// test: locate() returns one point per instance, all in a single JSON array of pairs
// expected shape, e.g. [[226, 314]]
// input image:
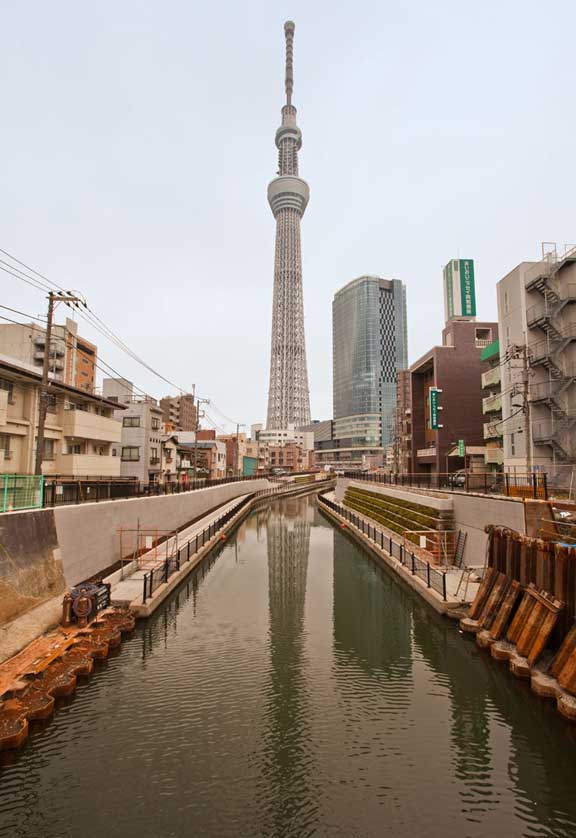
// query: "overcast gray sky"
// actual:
[[138, 141]]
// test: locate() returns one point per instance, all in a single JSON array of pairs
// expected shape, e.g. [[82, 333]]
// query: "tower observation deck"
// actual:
[[288, 397]]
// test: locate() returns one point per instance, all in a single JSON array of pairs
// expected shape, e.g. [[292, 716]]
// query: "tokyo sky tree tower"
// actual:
[[288, 399]]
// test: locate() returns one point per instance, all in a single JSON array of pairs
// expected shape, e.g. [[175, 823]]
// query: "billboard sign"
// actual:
[[461, 448]]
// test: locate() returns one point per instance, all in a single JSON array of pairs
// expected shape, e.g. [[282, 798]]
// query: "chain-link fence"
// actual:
[[21, 491]]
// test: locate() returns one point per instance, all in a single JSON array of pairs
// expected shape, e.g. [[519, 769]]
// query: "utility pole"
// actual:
[[53, 298], [238, 426], [196, 428]]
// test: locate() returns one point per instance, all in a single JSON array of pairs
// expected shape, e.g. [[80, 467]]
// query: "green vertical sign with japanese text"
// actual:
[[433, 408], [467, 289], [449, 290]]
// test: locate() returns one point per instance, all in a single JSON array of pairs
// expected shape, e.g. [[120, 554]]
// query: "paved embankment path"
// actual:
[[130, 588]]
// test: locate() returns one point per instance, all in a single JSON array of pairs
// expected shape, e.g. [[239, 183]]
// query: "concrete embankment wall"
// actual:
[[31, 578], [42, 552], [471, 512], [88, 534], [31, 569]]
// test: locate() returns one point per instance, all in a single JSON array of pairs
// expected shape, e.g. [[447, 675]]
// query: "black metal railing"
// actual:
[[533, 485], [158, 575], [434, 578], [61, 491]]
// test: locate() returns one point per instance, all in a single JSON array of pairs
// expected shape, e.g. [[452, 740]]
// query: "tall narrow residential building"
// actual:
[[288, 397], [369, 337]]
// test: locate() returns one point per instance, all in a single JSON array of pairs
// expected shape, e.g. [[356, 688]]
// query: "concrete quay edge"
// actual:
[[418, 585]]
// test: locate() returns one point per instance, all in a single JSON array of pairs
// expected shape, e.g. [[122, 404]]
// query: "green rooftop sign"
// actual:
[[459, 289]]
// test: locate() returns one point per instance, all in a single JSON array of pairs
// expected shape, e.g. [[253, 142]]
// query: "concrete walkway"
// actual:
[[131, 587]]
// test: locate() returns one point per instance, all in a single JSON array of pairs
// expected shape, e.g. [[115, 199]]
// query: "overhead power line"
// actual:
[[41, 282]]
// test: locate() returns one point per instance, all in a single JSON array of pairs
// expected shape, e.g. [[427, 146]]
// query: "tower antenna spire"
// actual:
[[289, 28]]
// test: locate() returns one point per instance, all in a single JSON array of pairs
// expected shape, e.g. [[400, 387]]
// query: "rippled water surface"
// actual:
[[292, 688]]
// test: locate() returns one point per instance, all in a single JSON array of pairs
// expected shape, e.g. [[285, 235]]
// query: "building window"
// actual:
[[130, 453], [5, 446], [131, 422], [512, 445], [155, 423], [51, 403], [76, 447], [9, 387], [49, 449]]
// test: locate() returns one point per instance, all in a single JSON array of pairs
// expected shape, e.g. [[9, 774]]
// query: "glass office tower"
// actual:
[[369, 338]]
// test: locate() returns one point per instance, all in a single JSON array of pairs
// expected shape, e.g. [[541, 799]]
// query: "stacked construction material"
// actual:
[[548, 565]]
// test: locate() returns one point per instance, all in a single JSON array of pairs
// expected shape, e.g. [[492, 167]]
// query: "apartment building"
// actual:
[[205, 458], [81, 431], [446, 397], [290, 457], [537, 319], [235, 452], [179, 412], [401, 462], [72, 358], [492, 406], [140, 449], [285, 436]]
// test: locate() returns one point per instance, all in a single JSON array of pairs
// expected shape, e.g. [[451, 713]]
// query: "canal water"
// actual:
[[293, 688]]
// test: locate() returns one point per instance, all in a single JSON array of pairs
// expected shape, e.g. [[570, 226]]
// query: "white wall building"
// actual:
[[537, 327], [140, 450]]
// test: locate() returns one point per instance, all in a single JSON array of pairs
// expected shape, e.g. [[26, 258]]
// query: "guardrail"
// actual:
[[61, 492], [533, 485], [158, 575], [422, 569]]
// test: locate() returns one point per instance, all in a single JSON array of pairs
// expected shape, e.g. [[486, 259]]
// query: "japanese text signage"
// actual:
[[467, 290], [433, 393]]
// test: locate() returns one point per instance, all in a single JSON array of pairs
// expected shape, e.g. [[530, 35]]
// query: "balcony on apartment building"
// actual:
[[492, 404], [491, 377], [494, 456], [426, 452], [493, 430], [86, 425], [91, 465]]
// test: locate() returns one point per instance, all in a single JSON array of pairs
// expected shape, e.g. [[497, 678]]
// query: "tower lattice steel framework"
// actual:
[[288, 397]]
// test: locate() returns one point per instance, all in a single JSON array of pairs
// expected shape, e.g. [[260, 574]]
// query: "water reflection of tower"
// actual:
[[286, 754], [372, 618]]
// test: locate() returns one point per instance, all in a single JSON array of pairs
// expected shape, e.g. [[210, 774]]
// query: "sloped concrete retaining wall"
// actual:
[[471, 512], [88, 534]]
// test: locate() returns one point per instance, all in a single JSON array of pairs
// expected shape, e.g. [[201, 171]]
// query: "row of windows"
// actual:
[[134, 422], [131, 454]]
